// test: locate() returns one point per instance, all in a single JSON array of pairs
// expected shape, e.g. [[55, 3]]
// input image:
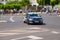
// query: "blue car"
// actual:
[[33, 18]]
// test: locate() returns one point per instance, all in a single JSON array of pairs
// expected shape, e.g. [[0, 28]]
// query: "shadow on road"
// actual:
[[37, 24]]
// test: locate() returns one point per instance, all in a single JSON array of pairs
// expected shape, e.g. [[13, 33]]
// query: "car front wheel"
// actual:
[[24, 22], [28, 22], [41, 22]]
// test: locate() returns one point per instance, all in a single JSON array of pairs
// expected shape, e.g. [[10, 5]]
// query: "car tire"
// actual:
[[24, 22], [41, 23], [28, 22]]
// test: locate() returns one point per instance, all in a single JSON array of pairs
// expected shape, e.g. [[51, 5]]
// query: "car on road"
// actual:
[[31, 18]]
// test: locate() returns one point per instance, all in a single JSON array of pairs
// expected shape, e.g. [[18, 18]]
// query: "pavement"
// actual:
[[15, 29]]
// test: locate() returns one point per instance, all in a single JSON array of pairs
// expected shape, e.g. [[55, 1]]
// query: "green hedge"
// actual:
[[10, 6]]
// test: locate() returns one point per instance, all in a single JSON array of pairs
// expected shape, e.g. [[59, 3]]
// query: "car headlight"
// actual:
[[30, 19]]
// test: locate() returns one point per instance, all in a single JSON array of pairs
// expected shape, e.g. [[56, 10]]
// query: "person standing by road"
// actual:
[[28, 10], [50, 12], [2, 11], [12, 11], [58, 12], [15, 10]]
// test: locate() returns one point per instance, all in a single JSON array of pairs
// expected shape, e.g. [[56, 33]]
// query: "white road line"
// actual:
[[19, 38], [31, 37], [8, 34], [34, 28], [3, 21], [34, 37], [55, 32], [11, 19]]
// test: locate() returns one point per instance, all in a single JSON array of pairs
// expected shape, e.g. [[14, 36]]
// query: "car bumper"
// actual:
[[35, 21]]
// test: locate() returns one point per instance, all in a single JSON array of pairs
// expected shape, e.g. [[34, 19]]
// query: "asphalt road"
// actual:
[[15, 29]]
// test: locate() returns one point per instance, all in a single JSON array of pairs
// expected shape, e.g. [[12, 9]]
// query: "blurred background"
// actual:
[[19, 6]]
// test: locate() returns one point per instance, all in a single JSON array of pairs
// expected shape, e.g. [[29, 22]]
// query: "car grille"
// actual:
[[36, 19]]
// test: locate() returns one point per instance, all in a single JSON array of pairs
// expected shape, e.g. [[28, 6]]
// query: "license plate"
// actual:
[[37, 21]]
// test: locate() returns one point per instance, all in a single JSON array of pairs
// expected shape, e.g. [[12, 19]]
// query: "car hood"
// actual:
[[34, 17]]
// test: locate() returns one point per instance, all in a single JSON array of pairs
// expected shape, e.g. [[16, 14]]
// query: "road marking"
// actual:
[[31, 37], [11, 19], [3, 21], [19, 38], [55, 32], [34, 37], [34, 28], [8, 34]]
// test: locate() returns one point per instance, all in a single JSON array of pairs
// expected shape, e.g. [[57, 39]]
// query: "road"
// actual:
[[15, 29]]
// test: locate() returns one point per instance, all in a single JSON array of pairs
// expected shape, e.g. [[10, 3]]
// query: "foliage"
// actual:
[[48, 2], [54, 2], [1, 6], [14, 4], [43, 2], [10, 6], [39, 2], [25, 2]]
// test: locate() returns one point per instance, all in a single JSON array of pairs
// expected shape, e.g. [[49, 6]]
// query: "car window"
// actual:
[[33, 15]]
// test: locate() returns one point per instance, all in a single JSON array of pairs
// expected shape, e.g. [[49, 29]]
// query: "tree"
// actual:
[[39, 2], [25, 2], [14, 4], [54, 2], [18, 3], [1, 6], [48, 2], [43, 2]]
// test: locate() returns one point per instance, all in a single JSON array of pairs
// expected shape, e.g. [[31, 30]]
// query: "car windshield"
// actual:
[[32, 15]]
